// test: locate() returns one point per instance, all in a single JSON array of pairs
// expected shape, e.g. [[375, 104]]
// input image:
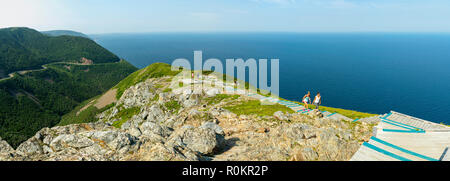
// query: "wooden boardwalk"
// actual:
[[399, 137]]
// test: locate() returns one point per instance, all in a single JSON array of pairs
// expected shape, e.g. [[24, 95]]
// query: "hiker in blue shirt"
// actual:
[[307, 100]]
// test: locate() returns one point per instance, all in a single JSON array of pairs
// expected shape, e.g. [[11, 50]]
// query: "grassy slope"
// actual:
[[219, 98], [153, 71], [255, 107], [85, 116], [88, 115]]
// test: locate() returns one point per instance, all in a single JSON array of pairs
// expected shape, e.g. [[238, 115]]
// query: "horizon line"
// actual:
[[238, 31], [287, 32]]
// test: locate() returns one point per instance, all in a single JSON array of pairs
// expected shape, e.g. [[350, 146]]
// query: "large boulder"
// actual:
[[115, 140], [198, 140], [139, 95], [69, 140], [149, 128], [5, 150], [30, 147], [5, 147]]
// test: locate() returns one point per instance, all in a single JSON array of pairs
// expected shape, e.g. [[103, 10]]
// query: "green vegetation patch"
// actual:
[[219, 98], [124, 115], [255, 107], [172, 105], [155, 98], [86, 116], [155, 70]]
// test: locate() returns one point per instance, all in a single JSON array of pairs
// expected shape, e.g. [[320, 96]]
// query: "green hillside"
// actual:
[[35, 99], [24, 49]]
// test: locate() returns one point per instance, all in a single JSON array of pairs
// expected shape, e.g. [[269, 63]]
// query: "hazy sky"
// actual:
[[109, 16]]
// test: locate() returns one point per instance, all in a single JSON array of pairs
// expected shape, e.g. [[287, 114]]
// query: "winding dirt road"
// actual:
[[23, 72], [44, 67]]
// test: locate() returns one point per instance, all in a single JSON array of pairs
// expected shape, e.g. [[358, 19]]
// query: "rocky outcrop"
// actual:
[[100, 142], [181, 125], [302, 139]]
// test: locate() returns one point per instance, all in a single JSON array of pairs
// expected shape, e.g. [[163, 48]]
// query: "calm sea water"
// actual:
[[374, 73]]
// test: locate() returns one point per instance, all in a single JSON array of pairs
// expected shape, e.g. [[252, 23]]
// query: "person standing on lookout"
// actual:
[[318, 100], [307, 100]]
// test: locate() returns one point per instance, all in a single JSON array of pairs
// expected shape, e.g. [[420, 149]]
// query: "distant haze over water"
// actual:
[[368, 72]]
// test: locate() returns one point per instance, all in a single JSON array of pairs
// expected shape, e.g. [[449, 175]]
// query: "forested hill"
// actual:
[[64, 32], [32, 100], [25, 49]]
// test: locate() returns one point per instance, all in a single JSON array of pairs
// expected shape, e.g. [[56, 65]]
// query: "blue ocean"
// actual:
[[368, 72]]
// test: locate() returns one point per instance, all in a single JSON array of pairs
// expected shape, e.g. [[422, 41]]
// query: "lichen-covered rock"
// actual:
[[5, 150], [213, 126], [197, 139], [5, 147], [149, 128], [138, 95], [160, 152], [69, 140], [30, 147]]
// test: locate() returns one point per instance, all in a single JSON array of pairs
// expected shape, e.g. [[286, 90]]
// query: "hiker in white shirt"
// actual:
[[318, 100]]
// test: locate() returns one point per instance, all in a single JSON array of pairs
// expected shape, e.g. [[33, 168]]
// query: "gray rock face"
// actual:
[[5, 147], [197, 139], [213, 126], [149, 128], [156, 142], [68, 140], [280, 116], [192, 100], [138, 95], [310, 154], [5, 150], [300, 132], [30, 147], [155, 114]]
